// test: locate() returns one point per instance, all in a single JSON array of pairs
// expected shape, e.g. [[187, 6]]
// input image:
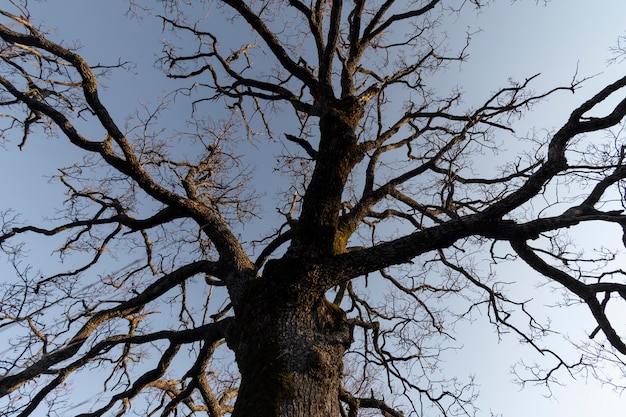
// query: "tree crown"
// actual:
[[375, 190]]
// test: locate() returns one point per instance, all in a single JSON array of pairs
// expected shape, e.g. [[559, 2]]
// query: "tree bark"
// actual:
[[289, 342], [318, 233]]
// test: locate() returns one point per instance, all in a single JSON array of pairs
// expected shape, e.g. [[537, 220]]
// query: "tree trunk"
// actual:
[[317, 228], [288, 339], [289, 344]]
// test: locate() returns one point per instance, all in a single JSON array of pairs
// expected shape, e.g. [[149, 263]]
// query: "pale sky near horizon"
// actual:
[[517, 40]]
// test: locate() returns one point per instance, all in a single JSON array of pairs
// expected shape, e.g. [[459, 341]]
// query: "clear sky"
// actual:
[[517, 40]]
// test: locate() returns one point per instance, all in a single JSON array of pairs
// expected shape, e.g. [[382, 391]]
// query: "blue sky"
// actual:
[[517, 40]]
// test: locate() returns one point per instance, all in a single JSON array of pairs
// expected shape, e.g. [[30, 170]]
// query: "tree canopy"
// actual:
[[192, 282]]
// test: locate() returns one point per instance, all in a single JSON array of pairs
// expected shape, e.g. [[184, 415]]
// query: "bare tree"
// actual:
[[377, 189]]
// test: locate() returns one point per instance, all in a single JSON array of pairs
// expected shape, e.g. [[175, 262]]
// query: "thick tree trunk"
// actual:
[[289, 345], [288, 339]]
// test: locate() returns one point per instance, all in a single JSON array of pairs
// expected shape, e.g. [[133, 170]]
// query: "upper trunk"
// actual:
[[289, 343], [316, 232]]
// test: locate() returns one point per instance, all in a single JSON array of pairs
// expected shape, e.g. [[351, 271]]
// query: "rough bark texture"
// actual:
[[289, 343]]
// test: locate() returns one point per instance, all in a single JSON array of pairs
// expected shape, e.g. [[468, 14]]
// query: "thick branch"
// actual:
[[557, 161]]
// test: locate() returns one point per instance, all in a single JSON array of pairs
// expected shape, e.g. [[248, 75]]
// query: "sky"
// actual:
[[516, 40]]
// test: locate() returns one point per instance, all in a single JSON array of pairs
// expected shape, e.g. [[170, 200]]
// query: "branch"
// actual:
[[557, 161], [355, 403], [10, 383], [211, 223], [374, 29], [306, 145], [273, 43], [585, 292], [401, 250]]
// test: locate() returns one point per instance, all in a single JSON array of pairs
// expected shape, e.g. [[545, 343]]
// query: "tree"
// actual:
[[373, 188]]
